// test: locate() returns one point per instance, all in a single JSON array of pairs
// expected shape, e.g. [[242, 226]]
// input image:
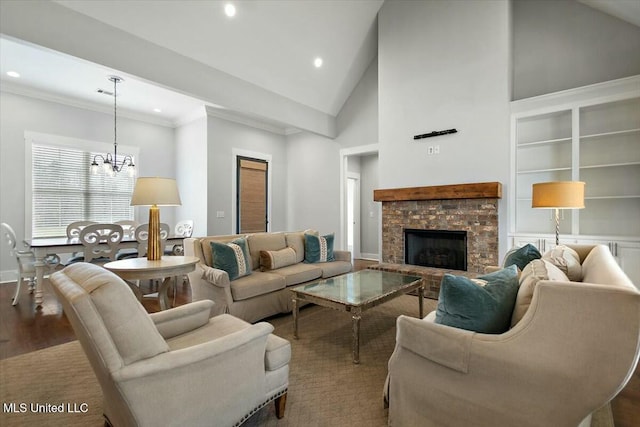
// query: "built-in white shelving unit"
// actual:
[[589, 134]]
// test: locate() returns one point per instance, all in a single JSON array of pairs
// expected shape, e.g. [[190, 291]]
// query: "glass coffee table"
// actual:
[[355, 293]]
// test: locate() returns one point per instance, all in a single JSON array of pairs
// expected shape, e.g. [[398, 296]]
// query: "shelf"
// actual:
[[568, 168], [610, 197], [620, 132], [610, 165], [548, 141]]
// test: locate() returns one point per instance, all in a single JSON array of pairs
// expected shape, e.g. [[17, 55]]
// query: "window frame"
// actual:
[[31, 138]]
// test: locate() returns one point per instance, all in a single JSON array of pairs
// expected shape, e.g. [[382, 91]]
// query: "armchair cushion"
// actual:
[[182, 319], [521, 256], [466, 305], [232, 257]]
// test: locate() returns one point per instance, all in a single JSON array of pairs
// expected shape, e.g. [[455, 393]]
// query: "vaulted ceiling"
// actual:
[[177, 56]]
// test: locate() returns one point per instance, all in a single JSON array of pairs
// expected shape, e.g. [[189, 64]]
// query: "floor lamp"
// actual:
[[558, 195], [154, 192]]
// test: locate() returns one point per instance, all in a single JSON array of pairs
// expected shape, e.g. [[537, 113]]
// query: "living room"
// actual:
[[437, 65]]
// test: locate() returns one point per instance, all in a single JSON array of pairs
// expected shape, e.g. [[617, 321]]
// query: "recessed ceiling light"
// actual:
[[13, 74], [317, 62], [230, 10], [157, 110]]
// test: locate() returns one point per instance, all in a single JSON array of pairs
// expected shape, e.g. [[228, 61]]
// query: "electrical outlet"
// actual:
[[436, 149], [430, 150]]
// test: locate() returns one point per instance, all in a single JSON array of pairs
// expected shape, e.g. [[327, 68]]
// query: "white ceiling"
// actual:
[[270, 44]]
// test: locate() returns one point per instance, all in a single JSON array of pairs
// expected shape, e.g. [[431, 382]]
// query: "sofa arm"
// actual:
[[211, 284], [342, 255], [185, 318]]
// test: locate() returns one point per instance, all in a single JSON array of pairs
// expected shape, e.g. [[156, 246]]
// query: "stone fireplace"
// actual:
[[472, 208]]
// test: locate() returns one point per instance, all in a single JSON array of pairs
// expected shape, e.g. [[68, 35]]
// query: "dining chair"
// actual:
[[129, 227], [73, 232], [142, 236], [101, 242], [184, 229], [26, 260]]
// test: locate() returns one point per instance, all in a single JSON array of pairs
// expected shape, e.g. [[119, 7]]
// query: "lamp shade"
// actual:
[[150, 191], [558, 195]]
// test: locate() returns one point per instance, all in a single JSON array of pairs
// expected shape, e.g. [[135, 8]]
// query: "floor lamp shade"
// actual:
[[154, 192], [558, 195]]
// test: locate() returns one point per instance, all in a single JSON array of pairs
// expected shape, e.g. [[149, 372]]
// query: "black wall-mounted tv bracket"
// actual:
[[435, 133]]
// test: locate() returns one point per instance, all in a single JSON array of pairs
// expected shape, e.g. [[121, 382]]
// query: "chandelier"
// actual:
[[110, 163]]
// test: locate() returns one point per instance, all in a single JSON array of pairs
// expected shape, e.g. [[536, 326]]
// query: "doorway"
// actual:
[[252, 195], [353, 213]]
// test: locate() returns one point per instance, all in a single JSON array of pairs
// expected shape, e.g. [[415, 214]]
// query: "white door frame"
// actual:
[[355, 250], [344, 154]]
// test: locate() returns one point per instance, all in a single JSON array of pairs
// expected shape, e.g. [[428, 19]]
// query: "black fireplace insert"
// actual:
[[436, 248]]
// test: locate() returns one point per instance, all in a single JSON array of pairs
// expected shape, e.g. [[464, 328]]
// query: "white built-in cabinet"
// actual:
[[589, 134]]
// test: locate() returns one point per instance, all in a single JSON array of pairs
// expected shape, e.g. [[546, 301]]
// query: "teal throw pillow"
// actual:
[[521, 256], [318, 248], [232, 257], [485, 307]]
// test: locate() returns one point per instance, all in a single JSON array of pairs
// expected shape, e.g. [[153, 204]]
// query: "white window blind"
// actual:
[[64, 191]]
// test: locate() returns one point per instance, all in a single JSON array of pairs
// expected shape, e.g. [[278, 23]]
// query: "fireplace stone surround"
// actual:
[[463, 207]]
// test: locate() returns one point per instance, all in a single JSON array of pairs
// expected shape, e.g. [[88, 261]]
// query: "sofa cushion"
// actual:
[[232, 257], [334, 268], [318, 248], [485, 309], [295, 240], [567, 260], [521, 256], [258, 283], [298, 273], [534, 272], [264, 242], [270, 260]]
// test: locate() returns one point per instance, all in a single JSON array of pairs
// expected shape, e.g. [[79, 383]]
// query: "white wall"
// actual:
[[191, 175], [313, 184], [563, 44], [223, 137], [444, 65], [20, 113]]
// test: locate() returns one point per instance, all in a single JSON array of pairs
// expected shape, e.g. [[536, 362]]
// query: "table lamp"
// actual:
[[558, 195], [154, 192]]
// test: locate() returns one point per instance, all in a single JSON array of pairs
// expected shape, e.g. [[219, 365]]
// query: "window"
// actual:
[[63, 190]]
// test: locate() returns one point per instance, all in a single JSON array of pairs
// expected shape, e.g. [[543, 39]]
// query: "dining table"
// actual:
[[43, 246]]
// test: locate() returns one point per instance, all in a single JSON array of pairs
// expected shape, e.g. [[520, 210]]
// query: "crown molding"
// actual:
[[236, 117], [18, 89]]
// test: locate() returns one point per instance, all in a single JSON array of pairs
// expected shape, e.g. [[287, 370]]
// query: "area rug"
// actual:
[[326, 388]]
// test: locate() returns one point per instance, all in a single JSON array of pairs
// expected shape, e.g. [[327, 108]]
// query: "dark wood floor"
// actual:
[[23, 329]]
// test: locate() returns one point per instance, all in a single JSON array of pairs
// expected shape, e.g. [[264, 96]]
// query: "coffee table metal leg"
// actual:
[[421, 300], [356, 337], [295, 317]]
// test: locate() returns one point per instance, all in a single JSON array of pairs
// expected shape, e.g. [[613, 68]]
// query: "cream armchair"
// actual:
[[177, 367], [575, 348]]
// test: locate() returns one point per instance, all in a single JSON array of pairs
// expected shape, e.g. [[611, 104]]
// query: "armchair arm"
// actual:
[[220, 379], [577, 344], [185, 318]]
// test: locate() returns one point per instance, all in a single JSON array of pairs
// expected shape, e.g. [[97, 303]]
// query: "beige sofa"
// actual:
[[573, 350], [262, 293]]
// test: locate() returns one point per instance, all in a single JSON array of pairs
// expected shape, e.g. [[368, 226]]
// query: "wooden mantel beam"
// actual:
[[481, 190]]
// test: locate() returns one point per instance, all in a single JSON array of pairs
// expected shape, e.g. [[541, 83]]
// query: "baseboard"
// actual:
[[370, 257], [8, 276]]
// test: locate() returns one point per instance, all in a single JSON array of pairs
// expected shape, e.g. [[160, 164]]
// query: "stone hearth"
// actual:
[[465, 207]]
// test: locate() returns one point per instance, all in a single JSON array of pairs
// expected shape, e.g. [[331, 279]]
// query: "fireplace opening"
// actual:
[[436, 248]]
